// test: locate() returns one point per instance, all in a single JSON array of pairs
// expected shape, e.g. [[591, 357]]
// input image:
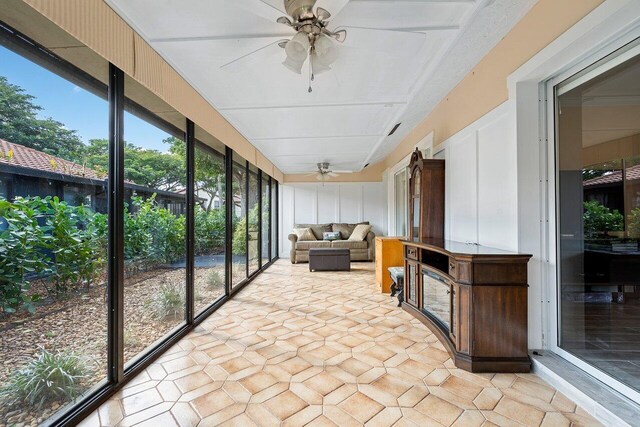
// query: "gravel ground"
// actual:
[[78, 324]]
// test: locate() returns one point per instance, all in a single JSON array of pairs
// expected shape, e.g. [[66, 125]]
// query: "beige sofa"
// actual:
[[360, 250]]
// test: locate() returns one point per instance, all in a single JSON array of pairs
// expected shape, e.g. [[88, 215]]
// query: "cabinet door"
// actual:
[[454, 313], [412, 283]]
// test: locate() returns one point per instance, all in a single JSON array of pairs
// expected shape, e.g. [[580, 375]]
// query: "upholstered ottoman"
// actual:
[[329, 259]]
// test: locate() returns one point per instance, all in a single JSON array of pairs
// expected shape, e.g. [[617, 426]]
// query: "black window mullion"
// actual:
[[270, 191], [115, 272], [190, 152], [277, 218], [246, 218], [228, 253], [259, 219]]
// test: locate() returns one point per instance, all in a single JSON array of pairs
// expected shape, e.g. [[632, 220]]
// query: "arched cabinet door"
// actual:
[[426, 198]]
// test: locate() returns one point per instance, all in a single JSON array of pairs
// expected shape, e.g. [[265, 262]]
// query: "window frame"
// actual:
[[116, 374]]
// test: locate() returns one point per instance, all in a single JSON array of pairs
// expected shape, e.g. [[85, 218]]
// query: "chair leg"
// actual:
[[394, 289], [401, 294]]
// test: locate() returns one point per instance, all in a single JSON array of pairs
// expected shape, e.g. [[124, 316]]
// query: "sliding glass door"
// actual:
[[598, 163]]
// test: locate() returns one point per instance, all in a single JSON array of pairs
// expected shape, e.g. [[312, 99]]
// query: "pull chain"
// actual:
[[310, 69]]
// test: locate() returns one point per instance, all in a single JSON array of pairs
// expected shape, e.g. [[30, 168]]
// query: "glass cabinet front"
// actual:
[[412, 283], [436, 297], [415, 205]]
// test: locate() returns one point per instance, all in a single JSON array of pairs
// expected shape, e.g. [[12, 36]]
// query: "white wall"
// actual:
[[315, 203], [481, 190]]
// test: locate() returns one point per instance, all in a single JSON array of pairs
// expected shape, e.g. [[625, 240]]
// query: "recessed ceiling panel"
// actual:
[[317, 146], [313, 122]]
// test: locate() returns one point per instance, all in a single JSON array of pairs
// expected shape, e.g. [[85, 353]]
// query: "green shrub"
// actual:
[[215, 279], [633, 223], [48, 376], [169, 301], [153, 235], [209, 230], [77, 246], [239, 234], [21, 245], [599, 219]]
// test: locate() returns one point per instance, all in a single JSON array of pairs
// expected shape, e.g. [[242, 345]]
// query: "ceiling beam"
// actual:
[[269, 138], [331, 105]]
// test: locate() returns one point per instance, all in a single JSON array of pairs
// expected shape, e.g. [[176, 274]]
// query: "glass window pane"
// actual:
[[266, 211], [155, 234], [598, 133], [254, 250], [53, 263], [209, 225], [239, 272]]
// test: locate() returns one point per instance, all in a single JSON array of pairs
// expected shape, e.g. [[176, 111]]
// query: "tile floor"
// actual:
[[320, 349]]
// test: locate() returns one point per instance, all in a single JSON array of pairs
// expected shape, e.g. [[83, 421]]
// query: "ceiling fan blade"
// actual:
[[262, 9], [266, 50], [386, 41], [332, 174], [319, 177], [333, 6]]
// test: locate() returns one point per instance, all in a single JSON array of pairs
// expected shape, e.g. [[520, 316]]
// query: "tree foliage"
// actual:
[[19, 123], [149, 168], [599, 219]]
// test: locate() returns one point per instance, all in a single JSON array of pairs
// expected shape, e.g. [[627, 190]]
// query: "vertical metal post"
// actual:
[[269, 225], [115, 268], [246, 213], [259, 219], [277, 219], [190, 223], [229, 206]]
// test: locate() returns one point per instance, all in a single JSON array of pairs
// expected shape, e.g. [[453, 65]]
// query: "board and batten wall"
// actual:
[[315, 203], [481, 191]]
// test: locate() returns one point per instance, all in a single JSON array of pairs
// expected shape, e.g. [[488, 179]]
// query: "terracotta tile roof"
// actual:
[[633, 173], [21, 156]]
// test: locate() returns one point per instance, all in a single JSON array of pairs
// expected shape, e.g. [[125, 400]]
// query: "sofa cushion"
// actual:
[[304, 234], [305, 246], [345, 229], [360, 232], [349, 244], [318, 229]]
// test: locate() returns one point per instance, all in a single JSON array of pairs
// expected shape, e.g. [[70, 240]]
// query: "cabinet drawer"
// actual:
[[460, 271], [411, 253]]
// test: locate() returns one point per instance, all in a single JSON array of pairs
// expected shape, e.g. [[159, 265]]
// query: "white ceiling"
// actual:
[[379, 79]]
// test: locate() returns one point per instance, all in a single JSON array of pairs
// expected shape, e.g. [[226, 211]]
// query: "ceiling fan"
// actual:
[[312, 38], [323, 172]]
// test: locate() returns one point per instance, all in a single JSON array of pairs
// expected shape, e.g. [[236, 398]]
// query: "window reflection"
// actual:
[[599, 221]]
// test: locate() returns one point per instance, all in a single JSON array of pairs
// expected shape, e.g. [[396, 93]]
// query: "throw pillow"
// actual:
[[331, 235], [345, 230], [304, 234], [316, 229], [360, 232]]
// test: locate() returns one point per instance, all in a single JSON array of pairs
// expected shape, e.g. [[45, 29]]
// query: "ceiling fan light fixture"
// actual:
[[322, 14], [284, 20], [293, 65], [325, 51], [297, 48], [340, 35], [318, 67]]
